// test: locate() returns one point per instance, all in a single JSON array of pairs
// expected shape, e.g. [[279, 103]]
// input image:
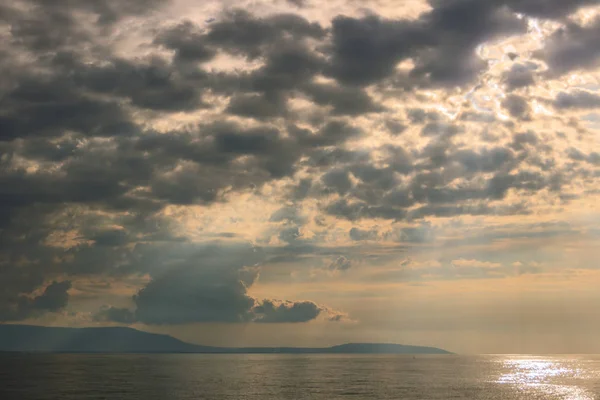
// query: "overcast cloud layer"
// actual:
[[345, 172]]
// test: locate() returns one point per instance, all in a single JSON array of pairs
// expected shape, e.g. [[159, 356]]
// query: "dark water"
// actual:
[[297, 377]]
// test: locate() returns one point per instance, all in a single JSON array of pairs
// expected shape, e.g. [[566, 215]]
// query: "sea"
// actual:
[[273, 376]]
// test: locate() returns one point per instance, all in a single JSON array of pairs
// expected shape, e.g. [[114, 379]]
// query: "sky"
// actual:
[[304, 173]]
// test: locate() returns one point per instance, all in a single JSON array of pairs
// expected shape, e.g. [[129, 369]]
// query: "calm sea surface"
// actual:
[[31, 376]]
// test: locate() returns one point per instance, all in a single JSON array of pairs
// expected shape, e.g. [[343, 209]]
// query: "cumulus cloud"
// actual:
[[210, 287]]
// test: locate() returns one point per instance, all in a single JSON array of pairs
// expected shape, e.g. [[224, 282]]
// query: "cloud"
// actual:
[[194, 294], [256, 106], [340, 264], [363, 234], [517, 106], [54, 298], [188, 41], [520, 75], [209, 286], [242, 33], [343, 100], [572, 48], [286, 312], [577, 99], [417, 234], [548, 8]]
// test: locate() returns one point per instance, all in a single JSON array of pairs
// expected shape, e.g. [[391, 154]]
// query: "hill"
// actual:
[[28, 338]]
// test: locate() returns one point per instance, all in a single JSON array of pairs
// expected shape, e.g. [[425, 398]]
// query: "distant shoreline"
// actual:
[[120, 340]]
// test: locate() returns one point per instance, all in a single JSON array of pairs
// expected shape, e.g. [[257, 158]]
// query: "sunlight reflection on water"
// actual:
[[545, 377]]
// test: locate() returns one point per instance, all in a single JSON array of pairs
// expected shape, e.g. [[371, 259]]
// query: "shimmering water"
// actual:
[[251, 377]]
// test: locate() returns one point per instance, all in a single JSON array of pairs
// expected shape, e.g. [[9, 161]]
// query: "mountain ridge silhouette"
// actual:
[[32, 338]]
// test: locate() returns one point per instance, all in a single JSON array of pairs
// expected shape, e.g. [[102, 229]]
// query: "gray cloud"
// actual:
[[520, 75], [344, 100], [52, 299], [340, 264], [286, 312], [571, 48], [362, 234], [548, 8], [240, 32], [191, 293], [257, 106], [337, 181], [188, 41], [577, 99], [517, 106], [209, 285]]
